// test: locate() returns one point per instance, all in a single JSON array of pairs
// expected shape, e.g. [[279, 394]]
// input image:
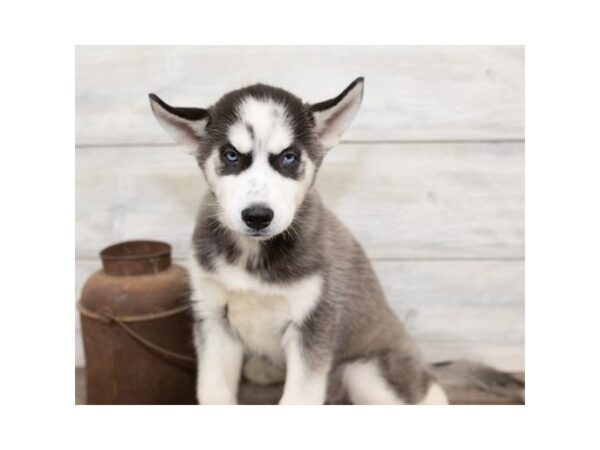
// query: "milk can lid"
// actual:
[[136, 258]]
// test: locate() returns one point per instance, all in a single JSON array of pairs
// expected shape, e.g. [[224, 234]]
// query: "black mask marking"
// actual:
[[224, 114], [288, 169], [228, 167]]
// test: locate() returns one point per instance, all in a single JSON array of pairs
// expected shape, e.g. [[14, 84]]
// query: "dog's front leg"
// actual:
[[306, 371], [220, 355]]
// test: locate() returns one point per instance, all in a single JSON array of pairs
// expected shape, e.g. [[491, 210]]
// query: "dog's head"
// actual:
[[260, 148]]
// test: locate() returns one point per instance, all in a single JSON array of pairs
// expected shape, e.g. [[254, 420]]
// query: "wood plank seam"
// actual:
[[352, 141]]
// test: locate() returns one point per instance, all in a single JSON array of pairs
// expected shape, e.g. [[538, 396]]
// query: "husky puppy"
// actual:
[[273, 272]]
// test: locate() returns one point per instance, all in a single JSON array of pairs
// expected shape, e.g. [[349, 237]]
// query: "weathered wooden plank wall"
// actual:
[[430, 177]]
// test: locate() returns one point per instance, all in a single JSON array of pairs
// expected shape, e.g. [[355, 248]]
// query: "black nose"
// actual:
[[257, 217]]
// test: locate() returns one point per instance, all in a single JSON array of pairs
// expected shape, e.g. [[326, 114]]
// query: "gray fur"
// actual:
[[352, 320]]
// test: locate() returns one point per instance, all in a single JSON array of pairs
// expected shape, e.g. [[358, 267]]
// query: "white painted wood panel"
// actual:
[[462, 200], [455, 309], [443, 222], [412, 93]]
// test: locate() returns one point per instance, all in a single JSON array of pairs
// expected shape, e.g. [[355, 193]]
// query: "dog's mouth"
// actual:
[[259, 235]]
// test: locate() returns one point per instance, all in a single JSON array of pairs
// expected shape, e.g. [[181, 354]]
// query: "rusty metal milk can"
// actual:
[[137, 328]]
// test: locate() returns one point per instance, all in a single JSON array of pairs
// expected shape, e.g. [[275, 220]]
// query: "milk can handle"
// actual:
[[185, 361]]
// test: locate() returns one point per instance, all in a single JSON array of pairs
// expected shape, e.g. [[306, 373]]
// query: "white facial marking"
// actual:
[[264, 129], [240, 138], [269, 122]]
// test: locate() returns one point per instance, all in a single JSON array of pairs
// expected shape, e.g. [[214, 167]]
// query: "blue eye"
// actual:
[[231, 156], [288, 159]]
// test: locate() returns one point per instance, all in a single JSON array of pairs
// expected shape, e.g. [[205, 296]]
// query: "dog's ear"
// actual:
[[185, 125], [332, 117]]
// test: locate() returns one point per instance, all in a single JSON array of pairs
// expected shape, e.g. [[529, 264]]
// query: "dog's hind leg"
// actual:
[[367, 384]]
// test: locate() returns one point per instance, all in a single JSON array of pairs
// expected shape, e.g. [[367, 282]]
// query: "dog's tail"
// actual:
[[461, 374]]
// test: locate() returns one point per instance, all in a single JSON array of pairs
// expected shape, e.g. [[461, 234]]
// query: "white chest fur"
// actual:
[[257, 311], [260, 321]]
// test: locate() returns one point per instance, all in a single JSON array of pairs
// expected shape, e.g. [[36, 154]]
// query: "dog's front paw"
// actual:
[[216, 400], [301, 400], [215, 396]]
